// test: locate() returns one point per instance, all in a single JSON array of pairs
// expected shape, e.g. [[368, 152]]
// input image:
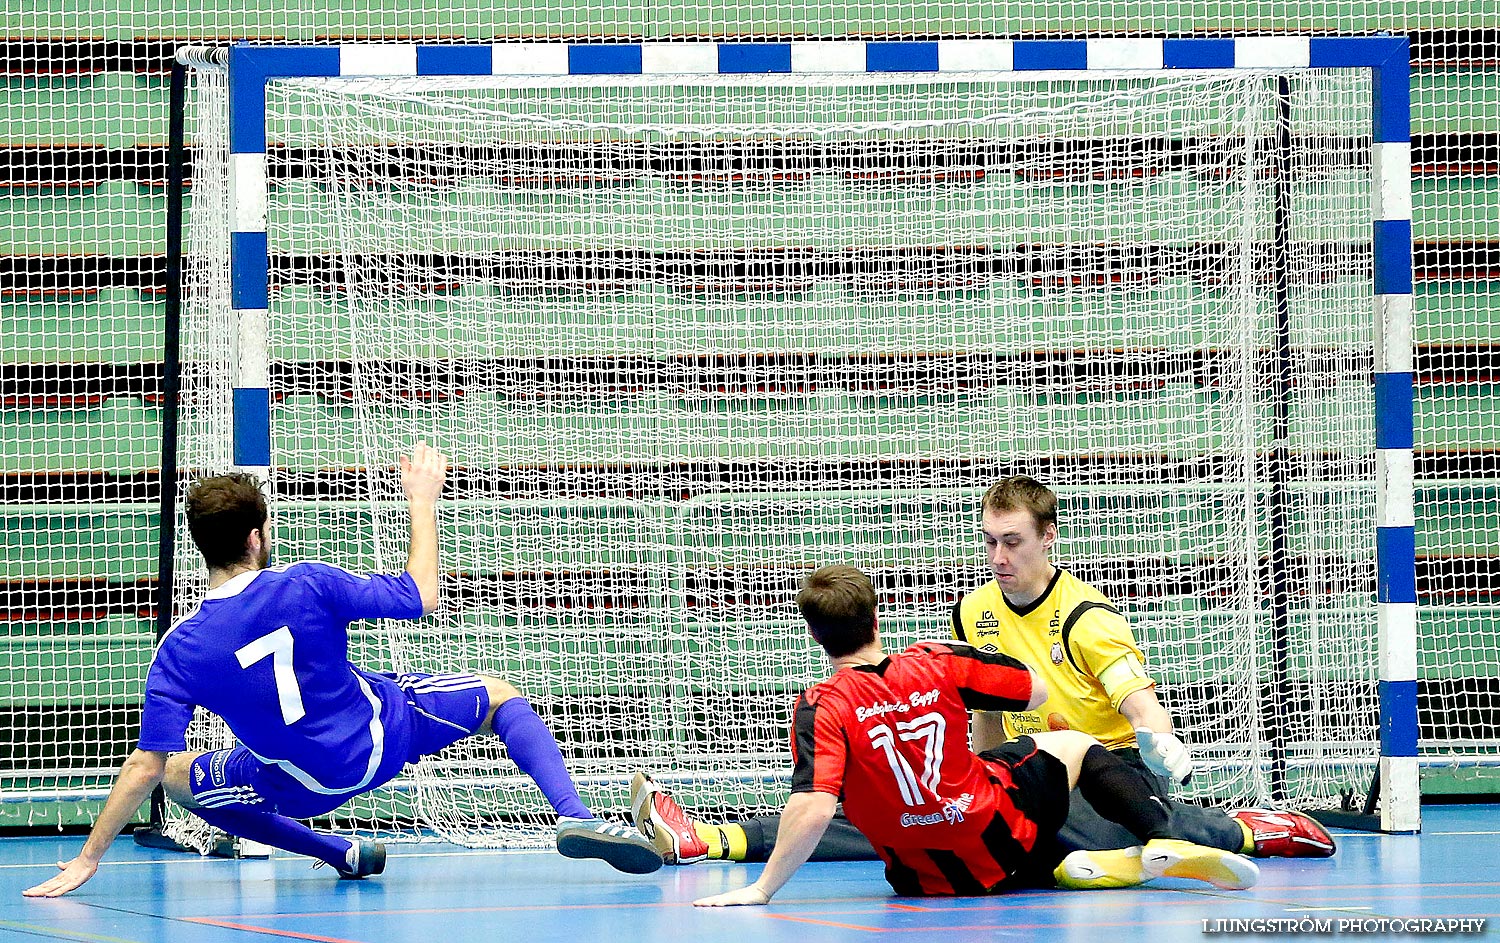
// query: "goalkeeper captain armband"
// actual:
[[1123, 677]]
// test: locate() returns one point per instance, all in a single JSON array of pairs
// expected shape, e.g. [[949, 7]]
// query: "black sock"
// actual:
[[756, 846], [1121, 793]]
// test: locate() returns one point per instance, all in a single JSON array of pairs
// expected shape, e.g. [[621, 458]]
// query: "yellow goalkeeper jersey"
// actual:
[[1071, 635]]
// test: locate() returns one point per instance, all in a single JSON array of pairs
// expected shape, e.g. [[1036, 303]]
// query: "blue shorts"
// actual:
[[422, 714]]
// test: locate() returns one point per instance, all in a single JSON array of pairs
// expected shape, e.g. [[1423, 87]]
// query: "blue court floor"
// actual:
[[439, 894]]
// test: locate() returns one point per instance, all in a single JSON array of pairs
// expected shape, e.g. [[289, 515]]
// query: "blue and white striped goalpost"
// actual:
[[250, 67]]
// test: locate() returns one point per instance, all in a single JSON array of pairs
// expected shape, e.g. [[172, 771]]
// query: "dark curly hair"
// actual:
[[221, 513]]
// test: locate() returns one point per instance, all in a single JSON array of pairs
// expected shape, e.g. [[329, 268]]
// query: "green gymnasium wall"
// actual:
[[82, 211]]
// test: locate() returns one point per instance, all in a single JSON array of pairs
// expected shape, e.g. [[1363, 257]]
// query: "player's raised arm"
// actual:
[[422, 476]]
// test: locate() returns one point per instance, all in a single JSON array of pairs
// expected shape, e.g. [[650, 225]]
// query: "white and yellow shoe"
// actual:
[[1171, 858], [1095, 870]]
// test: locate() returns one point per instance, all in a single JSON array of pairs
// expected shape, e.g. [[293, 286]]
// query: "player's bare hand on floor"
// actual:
[[74, 874], [750, 895]]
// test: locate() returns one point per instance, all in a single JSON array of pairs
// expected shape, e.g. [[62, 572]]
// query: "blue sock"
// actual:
[[278, 831], [533, 748]]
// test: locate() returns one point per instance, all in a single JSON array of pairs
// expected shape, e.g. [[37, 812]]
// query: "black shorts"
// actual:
[[1039, 791]]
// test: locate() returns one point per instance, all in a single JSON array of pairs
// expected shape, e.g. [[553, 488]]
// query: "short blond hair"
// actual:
[[1022, 493]]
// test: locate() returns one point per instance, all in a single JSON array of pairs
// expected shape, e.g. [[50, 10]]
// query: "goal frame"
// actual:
[[252, 66]]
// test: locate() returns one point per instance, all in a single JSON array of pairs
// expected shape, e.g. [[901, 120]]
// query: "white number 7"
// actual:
[[928, 728], [278, 645]]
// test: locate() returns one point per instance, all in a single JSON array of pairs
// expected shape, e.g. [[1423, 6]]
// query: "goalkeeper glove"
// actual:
[[1165, 754]]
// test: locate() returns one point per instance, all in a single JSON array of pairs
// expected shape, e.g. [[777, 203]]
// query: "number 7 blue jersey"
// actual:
[[268, 651]]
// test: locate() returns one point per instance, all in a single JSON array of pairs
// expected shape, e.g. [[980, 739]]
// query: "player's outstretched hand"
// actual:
[[751, 895], [74, 874], [1165, 754], [422, 474]]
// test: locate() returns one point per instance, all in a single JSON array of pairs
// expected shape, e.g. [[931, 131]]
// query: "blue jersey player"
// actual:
[[268, 651]]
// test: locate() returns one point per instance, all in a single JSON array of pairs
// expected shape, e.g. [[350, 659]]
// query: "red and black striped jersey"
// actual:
[[891, 740]]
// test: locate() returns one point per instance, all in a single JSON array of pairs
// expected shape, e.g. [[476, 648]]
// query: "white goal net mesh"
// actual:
[[685, 339]]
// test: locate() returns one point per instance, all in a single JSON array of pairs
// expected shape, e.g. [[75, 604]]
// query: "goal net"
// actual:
[[686, 338]]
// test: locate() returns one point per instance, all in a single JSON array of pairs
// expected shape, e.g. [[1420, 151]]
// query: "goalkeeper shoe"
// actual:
[[661, 819], [1093, 870], [1285, 834], [622, 846], [364, 858], [1172, 858]]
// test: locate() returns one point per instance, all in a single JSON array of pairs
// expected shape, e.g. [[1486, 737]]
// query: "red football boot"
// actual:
[[661, 819], [1285, 834]]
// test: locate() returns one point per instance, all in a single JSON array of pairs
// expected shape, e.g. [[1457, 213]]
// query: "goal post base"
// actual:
[[225, 846], [229, 846], [1366, 818], [149, 836], [1336, 818]]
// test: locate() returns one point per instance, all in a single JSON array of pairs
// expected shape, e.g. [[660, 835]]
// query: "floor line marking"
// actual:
[[1422, 834], [1123, 897], [251, 928], [990, 926], [186, 858], [61, 934], [502, 908], [830, 923]]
